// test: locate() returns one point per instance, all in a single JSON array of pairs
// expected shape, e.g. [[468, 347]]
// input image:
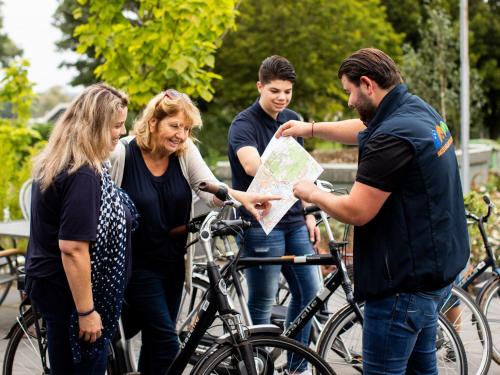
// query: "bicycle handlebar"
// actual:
[[220, 191], [218, 228], [311, 209], [484, 218]]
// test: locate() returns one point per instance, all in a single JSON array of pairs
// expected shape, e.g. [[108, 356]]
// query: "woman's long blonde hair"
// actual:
[[161, 106], [82, 135]]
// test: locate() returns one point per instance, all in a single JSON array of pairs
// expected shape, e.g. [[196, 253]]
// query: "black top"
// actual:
[[254, 127], [67, 210], [163, 203], [375, 171]]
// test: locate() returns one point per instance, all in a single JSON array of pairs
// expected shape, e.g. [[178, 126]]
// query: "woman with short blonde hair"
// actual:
[[166, 104], [160, 169]]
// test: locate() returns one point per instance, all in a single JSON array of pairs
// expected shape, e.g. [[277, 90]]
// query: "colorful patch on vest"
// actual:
[[442, 138]]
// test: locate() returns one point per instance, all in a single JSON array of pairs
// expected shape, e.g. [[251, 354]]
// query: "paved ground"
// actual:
[[9, 311]]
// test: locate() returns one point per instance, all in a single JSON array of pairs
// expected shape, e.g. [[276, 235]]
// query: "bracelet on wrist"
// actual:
[[312, 128], [86, 313]]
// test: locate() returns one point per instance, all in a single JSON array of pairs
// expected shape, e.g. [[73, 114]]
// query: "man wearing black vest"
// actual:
[[410, 236]]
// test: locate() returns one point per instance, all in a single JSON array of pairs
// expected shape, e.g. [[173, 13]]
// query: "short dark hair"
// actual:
[[276, 67], [372, 63]]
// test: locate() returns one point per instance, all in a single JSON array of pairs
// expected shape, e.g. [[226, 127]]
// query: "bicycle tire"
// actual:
[[489, 302], [22, 354], [225, 359], [23, 357], [473, 329], [344, 355]]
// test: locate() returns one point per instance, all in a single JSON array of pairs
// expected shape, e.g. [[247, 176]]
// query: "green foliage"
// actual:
[[433, 72], [16, 91], [484, 42], [406, 18], [44, 130], [474, 203], [67, 17], [8, 50], [157, 44], [17, 142], [409, 16], [314, 35]]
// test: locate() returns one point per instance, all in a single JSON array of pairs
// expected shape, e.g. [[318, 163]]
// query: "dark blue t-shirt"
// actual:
[[163, 203], [67, 210], [255, 128]]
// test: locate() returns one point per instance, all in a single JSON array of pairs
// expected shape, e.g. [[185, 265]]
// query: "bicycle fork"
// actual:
[[248, 364]]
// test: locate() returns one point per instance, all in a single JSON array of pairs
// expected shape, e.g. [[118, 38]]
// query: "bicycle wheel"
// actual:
[[270, 356], [22, 355], [471, 325], [489, 302], [340, 344]]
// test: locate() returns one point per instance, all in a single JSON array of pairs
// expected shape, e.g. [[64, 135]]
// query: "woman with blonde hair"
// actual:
[[160, 170], [80, 222]]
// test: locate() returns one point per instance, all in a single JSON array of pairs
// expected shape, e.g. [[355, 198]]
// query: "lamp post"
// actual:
[[464, 94]]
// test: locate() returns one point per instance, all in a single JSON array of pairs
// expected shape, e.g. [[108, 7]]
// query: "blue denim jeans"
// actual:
[[399, 333], [54, 301], [152, 304], [303, 281]]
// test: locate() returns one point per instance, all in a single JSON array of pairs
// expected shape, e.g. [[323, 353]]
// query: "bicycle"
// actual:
[[340, 356], [26, 351], [488, 298], [255, 350]]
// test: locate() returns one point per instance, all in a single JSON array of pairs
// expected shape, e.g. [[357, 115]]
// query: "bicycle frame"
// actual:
[[214, 301], [333, 281]]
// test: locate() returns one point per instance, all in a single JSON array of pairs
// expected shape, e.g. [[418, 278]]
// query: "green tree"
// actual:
[[8, 50], [314, 35], [159, 43], [406, 18], [67, 23], [17, 142], [432, 71], [410, 16], [484, 24]]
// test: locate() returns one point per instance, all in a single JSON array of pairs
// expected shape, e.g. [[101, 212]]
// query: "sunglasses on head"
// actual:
[[173, 94]]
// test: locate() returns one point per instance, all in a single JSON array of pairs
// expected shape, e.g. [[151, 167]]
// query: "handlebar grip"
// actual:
[[244, 224], [486, 200], [220, 191], [311, 209]]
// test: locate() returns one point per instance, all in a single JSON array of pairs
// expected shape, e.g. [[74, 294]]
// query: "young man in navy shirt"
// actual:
[[249, 135]]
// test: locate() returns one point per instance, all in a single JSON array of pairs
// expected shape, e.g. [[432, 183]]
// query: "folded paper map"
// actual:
[[284, 163]]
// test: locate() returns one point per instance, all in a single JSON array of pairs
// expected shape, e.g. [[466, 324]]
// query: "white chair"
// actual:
[[25, 198]]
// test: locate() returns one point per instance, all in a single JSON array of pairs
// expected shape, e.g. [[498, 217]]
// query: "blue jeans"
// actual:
[[303, 281], [399, 333], [54, 301], [152, 304]]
